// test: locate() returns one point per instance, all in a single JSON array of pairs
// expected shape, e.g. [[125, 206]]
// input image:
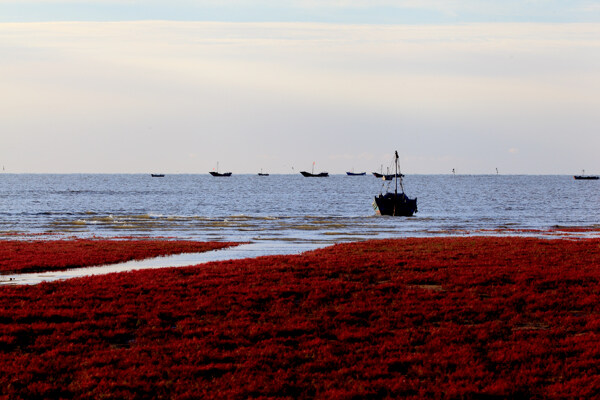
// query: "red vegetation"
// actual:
[[51, 255], [474, 317]]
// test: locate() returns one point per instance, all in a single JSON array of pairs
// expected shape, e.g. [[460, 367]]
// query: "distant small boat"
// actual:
[[387, 177], [586, 177], [214, 173], [158, 175], [262, 173], [397, 203], [352, 173], [217, 173], [312, 173]]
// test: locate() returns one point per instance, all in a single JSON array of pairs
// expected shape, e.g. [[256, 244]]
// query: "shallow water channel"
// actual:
[[249, 250]]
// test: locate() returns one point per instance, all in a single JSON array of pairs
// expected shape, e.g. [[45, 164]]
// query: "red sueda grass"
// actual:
[[472, 317], [51, 255]]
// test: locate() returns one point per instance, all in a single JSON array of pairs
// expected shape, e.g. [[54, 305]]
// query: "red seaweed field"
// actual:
[[443, 318], [18, 256]]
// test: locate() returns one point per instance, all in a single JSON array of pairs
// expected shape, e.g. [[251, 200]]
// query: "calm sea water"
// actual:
[[287, 208]]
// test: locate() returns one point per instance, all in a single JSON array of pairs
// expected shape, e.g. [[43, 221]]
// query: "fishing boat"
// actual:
[[217, 173], [583, 176], [386, 177], [157, 175], [396, 203], [352, 173], [262, 173], [312, 173]]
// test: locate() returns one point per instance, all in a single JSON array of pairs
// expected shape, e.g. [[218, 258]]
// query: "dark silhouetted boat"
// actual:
[[352, 173], [217, 173], [214, 173], [397, 203], [262, 173], [388, 176], [312, 173], [583, 176], [157, 175]]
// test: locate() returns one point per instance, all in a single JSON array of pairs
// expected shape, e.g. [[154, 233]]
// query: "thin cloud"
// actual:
[[470, 91]]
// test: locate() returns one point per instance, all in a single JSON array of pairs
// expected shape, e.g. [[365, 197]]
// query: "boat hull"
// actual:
[[311, 175], [213, 173], [586, 177], [398, 205], [387, 177], [356, 173]]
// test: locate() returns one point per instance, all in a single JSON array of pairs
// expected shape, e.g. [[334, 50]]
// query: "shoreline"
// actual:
[[240, 251], [171, 252]]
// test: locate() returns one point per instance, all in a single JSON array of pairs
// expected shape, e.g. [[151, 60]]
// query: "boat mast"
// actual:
[[396, 192]]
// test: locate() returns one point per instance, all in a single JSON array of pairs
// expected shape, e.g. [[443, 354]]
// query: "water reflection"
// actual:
[[250, 250]]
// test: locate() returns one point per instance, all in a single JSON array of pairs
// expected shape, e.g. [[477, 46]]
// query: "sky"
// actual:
[[179, 86]]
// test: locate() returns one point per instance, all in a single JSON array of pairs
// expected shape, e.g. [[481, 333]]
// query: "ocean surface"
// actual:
[[287, 208], [281, 214]]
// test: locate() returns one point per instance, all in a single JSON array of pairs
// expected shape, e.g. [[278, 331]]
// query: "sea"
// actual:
[[284, 214], [291, 208]]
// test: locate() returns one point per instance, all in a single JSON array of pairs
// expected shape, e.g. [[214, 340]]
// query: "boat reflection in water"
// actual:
[[396, 203]]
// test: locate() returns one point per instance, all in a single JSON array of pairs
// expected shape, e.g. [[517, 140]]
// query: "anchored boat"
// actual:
[[312, 173], [217, 173], [352, 173], [584, 176], [396, 203]]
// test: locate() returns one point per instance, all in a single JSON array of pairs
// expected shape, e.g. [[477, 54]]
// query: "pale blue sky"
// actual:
[[132, 86]]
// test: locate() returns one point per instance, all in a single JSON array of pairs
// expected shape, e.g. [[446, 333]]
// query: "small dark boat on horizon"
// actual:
[[312, 173], [397, 203], [217, 173], [583, 176], [157, 175], [262, 173], [387, 177], [349, 173]]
